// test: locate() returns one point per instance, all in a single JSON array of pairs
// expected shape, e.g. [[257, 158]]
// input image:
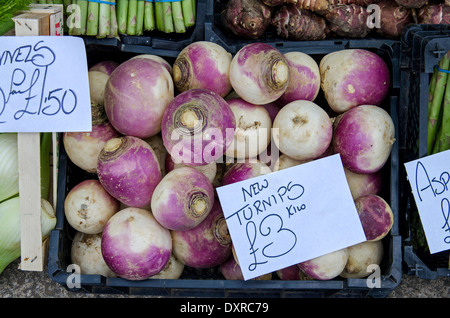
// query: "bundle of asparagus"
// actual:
[[136, 16]]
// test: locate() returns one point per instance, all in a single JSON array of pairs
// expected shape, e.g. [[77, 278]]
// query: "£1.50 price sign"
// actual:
[[44, 84], [290, 216]]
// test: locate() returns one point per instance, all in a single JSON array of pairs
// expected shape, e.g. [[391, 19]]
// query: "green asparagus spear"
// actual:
[[188, 7], [168, 20], [131, 20], [92, 18], [113, 31], [122, 13], [149, 16], [140, 17], [159, 16], [104, 26], [444, 138], [177, 15], [436, 102]]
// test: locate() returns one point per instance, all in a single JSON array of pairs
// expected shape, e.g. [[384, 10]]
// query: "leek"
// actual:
[[10, 228], [9, 167]]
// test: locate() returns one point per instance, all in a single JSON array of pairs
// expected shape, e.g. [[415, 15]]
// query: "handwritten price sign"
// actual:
[[290, 216], [429, 178], [44, 85]]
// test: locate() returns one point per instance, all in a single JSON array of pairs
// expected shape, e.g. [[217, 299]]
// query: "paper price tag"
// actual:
[[429, 178], [290, 216], [44, 85]]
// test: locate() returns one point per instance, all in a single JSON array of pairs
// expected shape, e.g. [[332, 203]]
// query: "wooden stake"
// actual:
[[30, 201]]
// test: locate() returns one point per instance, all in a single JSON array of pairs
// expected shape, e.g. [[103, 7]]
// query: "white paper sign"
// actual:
[[290, 216], [44, 85], [429, 178]]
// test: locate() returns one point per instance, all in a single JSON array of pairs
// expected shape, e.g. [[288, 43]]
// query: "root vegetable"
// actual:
[[349, 20], [244, 170], [157, 145], [393, 18], [284, 162], [297, 24], [231, 270], [86, 252], [313, 5], [129, 170], [136, 95], [173, 269], [376, 216], [434, 14], [361, 257], [259, 73], [411, 4], [292, 272], [156, 58], [353, 77], [327, 266], [304, 78], [182, 199], [364, 136], [83, 148], [88, 206], [253, 129], [205, 65], [302, 130], [209, 170], [134, 245], [198, 127], [206, 245], [361, 184], [246, 18], [97, 84]]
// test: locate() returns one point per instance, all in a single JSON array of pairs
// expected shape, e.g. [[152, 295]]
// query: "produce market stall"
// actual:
[[172, 57]]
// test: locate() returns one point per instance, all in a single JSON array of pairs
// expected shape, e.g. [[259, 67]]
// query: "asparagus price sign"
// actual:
[[290, 216], [44, 85], [429, 178]]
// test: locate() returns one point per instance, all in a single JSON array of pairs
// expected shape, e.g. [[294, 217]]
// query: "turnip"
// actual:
[[253, 129], [273, 109], [86, 252], [376, 216], [304, 78], [83, 148], [244, 170], [106, 67], [157, 145], [292, 272], [206, 245], [88, 206], [231, 270], [134, 245], [173, 269], [361, 184], [302, 130], [136, 95], [364, 136], [198, 126], [327, 266], [129, 170], [259, 73], [353, 77], [182, 199], [209, 170], [361, 259], [203, 64], [97, 84]]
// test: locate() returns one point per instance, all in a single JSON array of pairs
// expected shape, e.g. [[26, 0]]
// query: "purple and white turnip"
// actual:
[[203, 64], [134, 245], [259, 73], [327, 266], [364, 136], [376, 216], [128, 169], [197, 127], [88, 206], [136, 95], [182, 199], [362, 258], [302, 130]]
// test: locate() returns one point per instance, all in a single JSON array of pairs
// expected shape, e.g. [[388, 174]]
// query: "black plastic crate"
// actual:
[[422, 47], [157, 42], [210, 282]]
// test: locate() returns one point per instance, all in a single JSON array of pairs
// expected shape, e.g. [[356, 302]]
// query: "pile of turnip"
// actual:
[[176, 131]]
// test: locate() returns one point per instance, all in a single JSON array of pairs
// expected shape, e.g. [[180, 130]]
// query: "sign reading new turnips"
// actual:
[[44, 84], [286, 217]]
